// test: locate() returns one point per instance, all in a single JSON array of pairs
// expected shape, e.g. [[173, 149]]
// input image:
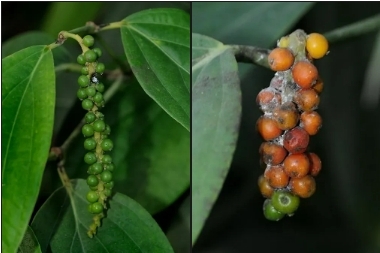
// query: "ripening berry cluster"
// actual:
[[289, 105], [96, 132]]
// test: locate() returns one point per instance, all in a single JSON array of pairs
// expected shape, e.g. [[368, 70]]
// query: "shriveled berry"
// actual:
[[286, 116], [89, 117], [83, 81], [107, 145], [87, 130], [90, 56], [276, 176], [311, 122], [303, 187], [296, 165], [264, 187], [285, 202], [81, 60], [106, 176], [316, 45], [87, 104], [271, 153], [304, 74], [315, 164], [99, 125], [280, 59], [81, 94], [268, 128], [96, 208], [271, 213], [296, 140], [88, 41], [90, 158], [307, 99], [92, 196], [92, 180], [90, 144]]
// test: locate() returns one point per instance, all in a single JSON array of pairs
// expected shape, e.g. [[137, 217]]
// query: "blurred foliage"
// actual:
[[343, 213]]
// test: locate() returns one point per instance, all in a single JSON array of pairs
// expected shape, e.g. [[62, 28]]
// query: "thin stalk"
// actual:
[[251, 54]]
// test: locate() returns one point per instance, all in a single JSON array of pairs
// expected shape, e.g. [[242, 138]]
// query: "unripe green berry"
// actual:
[[107, 159], [89, 117], [97, 51], [92, 196], [109, 185], [90, 56], [99, 125], [270, 212], [285, 202], [91, 91], [90, 144], [81, 60], [107, 192], [100, 87], [96, 168], [109, 166], [100, 68], [96, 208], [106, 176], [87, 104], [82, 94], [88, 41], [98, 98], [92, 180], [107, 145], [84, 70], [83, 81], [107, 130], [90, 158], [87, 130]]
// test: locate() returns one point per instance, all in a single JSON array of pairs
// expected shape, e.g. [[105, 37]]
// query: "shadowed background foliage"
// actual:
[[343, 213]]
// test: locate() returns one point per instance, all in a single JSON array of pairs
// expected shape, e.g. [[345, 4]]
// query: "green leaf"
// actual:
[[216, 110], [28, 98], [157, 45], [30, 243], [33, 38], [127, 227], [151, 150]]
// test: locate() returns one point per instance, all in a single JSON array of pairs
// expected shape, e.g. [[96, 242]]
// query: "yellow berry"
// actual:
[[283, 42], [317, 45]]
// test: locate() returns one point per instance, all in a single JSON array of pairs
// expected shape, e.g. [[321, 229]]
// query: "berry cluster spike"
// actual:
[[96, 132], [289, 105]]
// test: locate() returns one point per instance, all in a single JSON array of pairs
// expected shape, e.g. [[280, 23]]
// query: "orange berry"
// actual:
[[267, 128], [268, 99], [296, 165], [280, 59], [271, 153], [311, 122], [303, 187], [276, 176], [304, 74], [318, 86], [286, 116], [307, 100], [317, 45], [265, 189], [315, 164], [296, 140]]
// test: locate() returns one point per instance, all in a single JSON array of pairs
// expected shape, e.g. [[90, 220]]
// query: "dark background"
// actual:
[[343, 214]]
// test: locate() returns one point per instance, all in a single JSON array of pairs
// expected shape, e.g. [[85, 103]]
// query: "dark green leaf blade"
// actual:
[[216, 110], [28, 98], [29, 243], [157, 45], [127, 228]]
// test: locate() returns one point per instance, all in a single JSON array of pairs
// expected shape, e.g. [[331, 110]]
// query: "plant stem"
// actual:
[[251, 54], [64, 178], [73, 67], [353, 30]]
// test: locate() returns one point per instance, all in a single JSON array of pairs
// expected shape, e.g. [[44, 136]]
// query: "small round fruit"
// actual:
[[109, 185], [315, 164], [88, 41], [267, 128], [97, 51], [90, 158], [92, 180], [280, 59], [271, 213], [107, 159], [92, 196], [82, 94], [283, 42], [276, 176], [303, 187], [91, 91], [90, 144], [307, 99], [100, 68], [87, 130], [107, 145], [89, 117], [285, 202], [96, 168], [98, 98], [304, 74], [296, 165], [109, 166], [311, 122], [286, 116], [106, 176], [96, 208], [84, 70], [318, 86], [83, 81], [90, 56], [100, 87], [317, 45], [99, 125], [296, 140], [264, 187], [271, 153], [87, 104], [81, 60], [107, 192], [107, 131]]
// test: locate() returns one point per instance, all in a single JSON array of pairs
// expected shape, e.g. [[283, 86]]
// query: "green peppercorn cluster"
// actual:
[[96, 132]]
